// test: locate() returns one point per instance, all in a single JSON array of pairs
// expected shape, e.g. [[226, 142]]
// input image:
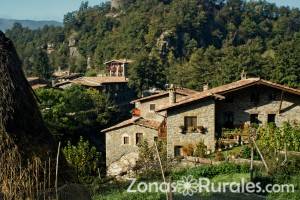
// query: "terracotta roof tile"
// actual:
[[217, 91], [37, 86], [148, 123], [135, 121], [123, 61], [98, 81], [182, 91]]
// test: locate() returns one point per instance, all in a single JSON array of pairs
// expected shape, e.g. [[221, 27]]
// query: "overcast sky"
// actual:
[[55, 9]]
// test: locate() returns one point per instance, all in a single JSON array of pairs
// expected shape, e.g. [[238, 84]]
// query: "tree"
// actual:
[[83, 157], [147, 72], [40, 64], [287, 62], [75, 110]]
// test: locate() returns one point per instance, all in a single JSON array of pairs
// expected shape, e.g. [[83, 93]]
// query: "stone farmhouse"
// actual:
[[183, 117], [113, 82]]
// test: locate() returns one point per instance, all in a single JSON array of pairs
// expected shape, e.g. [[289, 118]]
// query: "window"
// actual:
[[155, 139], [190, 122], [177, 151], [125, 140], [254, 98], [254, 119], [138, 138], [271, 118], [228, 120], [152, 107]]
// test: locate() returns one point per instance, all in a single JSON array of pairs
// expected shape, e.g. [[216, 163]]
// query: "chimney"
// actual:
[[205, 87], [243, 75], [53, 82], [172, 94]]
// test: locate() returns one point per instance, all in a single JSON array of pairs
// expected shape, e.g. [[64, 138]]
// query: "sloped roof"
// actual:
[[135, 121], [29, 79], [123, 61], [237, 85], [37, 86], [182, 91], [98, 81]]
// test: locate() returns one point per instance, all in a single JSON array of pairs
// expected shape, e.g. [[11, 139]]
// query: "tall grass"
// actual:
[[19, 179]]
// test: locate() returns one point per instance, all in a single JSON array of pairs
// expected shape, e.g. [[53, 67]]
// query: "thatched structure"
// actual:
[[20, 117], [27, 148]]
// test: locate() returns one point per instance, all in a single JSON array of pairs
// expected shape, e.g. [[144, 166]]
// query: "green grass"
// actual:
[[231, 178]]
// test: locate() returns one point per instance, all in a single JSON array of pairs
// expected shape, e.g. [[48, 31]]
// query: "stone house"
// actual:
[[113, 83], [36, 82], [196, 117]]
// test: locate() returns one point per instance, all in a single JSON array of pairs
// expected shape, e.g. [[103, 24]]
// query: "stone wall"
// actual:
[[159, 102], [242, 107], [115, 148], [205, 112]]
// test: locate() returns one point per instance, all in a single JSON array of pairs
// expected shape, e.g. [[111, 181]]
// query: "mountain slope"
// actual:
[[8, 23], [184, 42]]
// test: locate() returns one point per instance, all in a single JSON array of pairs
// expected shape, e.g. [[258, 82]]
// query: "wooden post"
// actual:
[[56, 171], [261, 156], [161, 168], [49, 175], [285, 155], [45, 179], [280, 104], [251, 163]]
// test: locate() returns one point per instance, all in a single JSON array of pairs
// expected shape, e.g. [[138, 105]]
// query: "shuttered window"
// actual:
[[190, 122]]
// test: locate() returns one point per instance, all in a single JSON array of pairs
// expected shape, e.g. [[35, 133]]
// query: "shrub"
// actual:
[[200, 150], [219, 156], [83, 158], [245, 152], [188, 150], [147, 165]]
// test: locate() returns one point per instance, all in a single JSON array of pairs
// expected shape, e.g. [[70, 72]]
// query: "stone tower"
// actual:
[[117, 4]]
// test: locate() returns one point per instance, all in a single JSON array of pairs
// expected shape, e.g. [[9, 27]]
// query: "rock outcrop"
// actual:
[[123, 166]]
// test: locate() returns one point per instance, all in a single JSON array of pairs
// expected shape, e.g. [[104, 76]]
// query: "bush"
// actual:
[[200, 150], [188, 150], [147, 166], [219, 156], [83, 158], [245, 152]]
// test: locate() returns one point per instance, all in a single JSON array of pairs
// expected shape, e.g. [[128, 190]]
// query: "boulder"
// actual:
[[124, 165]]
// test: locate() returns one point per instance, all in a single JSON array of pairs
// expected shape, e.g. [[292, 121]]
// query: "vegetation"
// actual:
[[210, 171], [186, 42], [200, 150], [75, 110], [84, 158], [272, 138], [148, 166]]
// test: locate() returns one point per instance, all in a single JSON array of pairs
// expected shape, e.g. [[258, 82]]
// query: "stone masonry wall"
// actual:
[[115, 148], [205, 112], [144, 106], [242, 107]]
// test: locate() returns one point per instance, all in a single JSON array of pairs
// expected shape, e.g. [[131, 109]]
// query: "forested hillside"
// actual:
[[186, 42]]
